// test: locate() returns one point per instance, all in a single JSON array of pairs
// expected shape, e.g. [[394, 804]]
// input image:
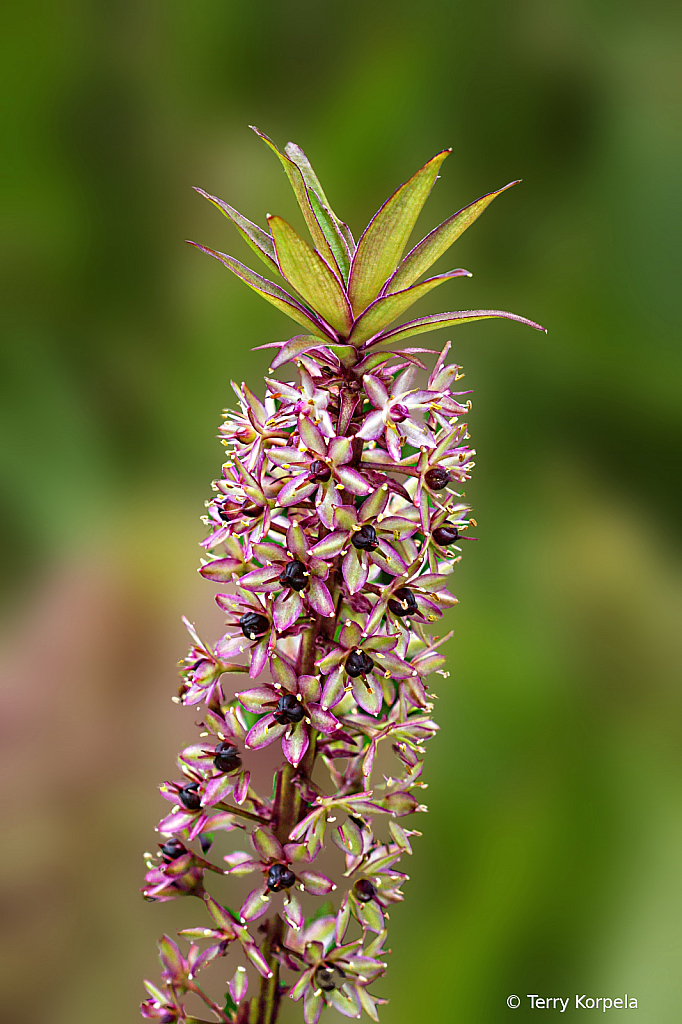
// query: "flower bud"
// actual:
[[254, 625], [445, 534], [364, 890], [289, 710], [403, 602], [319, 471], [294, 575], [227, 758], [358, 664], [190, 797], [365, 539], [329, 976], [280, 877], [437, 478], [172, 849]]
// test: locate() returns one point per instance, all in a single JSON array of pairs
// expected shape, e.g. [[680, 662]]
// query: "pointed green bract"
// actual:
[[426, 252], [305, 269], [258, 239], [272, 292], [463, 316], [386, 235], [335, 231], [381, 312], [297, 181], [330, 228]]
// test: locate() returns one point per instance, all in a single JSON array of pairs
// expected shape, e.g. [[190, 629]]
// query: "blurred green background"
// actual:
[[550, 860]]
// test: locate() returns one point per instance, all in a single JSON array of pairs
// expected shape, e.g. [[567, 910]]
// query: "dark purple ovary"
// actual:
[[289, 711], [365, 539], [294, 575], [280, 877]]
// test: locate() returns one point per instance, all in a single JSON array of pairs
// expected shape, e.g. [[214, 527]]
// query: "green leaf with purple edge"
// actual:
[[297, 182], [426, 252], [386, 235], [337, 233], [271, 292], [257, 238], [308, 273], [382, 311], [462, 316]]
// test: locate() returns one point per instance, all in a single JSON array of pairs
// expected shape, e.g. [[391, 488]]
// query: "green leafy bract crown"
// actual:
[[348, 295]]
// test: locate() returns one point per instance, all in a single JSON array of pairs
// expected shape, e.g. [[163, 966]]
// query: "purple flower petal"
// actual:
[[372, 428], [255, 699], [255, 905], [296, 490], [292, 913], [319, 598], [295, 743], [330, 546], [313, 1004], [220, 570], [230, 646], [283, 673], [334, 688], [238, 985], [286, 609], [309, 688], [259, 656], [296, 542], [331, 660], [353, 481], [262, 580], [311, 437], [217, 788], [370, 700], [355, 570], [263, 732], [266, 845], [316, 884], [350, 635], [255, 956], [322, 719], [241, 789], [340, 450]]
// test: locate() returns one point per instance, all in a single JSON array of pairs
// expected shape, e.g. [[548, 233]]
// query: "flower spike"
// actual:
[[333, 533]]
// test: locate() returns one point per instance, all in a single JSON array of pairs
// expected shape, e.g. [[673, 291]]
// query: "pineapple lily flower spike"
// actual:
[[333, 531]]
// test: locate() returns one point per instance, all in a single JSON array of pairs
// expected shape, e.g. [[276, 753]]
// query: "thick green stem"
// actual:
[[265, 1006]]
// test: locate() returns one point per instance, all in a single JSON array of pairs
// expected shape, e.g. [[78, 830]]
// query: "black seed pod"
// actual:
[[172, 849], [329, 976], [227, 758], [364, 890], [190, 797], [437, 478], [254, 625], [358, 664], [319, 471], [445, 534], [280, 877], [294, 575], [403, 602], [289, 710], [365, 539]]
